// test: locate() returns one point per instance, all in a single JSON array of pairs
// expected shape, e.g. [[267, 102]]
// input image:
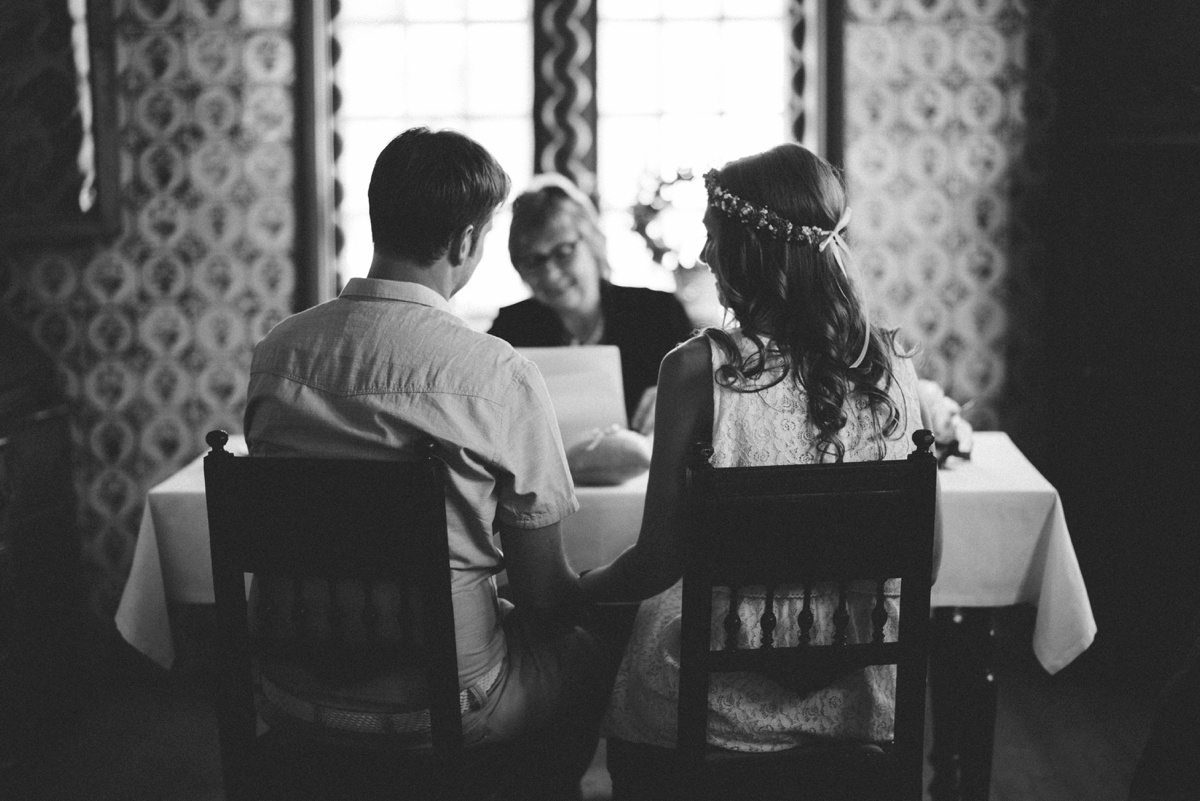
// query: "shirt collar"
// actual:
[[386, 289]]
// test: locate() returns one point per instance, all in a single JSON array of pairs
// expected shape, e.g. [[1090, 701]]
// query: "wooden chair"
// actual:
[[301, 522], [794, 526], [800, 525]]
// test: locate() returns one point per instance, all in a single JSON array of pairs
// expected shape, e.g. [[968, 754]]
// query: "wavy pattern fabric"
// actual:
[[566, 92]]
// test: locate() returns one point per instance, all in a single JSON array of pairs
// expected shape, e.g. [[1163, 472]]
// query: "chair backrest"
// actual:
[[335, 521], [797, 526]]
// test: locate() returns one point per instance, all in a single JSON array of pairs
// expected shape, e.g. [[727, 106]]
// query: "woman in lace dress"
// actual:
[[801, 378]]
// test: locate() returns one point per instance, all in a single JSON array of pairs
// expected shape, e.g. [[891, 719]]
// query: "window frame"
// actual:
[[564, 68]]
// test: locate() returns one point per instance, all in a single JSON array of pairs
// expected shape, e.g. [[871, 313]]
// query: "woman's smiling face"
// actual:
[[558, 265]]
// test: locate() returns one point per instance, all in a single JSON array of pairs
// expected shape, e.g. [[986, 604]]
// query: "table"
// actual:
[[1006, 543]]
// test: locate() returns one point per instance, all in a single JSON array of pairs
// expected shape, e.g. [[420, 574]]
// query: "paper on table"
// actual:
[[585, 387]]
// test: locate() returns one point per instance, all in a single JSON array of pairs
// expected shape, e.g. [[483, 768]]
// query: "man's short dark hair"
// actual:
[[426, 187]]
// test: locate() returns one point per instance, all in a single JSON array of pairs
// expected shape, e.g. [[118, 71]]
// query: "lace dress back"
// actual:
[[749, 712]]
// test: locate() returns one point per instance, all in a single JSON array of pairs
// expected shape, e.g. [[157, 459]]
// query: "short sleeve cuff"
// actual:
[[539, 518]]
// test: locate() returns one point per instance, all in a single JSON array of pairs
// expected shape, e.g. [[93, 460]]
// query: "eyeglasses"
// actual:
[[535, 264]]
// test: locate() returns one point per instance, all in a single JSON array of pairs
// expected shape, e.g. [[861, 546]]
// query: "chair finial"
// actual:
[[923, 439], [217, 439]]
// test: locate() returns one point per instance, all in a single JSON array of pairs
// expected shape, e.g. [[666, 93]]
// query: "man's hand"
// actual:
[[540, 581], [643, 415]]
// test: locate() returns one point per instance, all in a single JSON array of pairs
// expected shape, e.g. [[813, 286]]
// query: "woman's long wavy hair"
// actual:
[[793, 301]]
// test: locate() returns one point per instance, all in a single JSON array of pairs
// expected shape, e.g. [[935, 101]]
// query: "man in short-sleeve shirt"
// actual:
[[387, 363]]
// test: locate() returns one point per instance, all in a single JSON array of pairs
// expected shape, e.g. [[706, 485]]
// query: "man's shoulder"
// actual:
[[491, 347], [423, 350], [479, 363], [312, 325], [294, 326]]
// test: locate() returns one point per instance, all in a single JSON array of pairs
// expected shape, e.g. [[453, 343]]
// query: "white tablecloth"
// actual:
[[1006, 542]]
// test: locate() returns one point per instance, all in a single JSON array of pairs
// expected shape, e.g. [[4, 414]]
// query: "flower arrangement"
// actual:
[[942, 415], [666, 215]]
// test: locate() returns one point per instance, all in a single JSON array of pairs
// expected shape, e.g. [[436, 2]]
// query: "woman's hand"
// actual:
[[643, 416]]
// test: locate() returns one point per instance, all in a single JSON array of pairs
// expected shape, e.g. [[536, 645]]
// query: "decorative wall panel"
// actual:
[[940, 149], [153, 332], [564, 90]]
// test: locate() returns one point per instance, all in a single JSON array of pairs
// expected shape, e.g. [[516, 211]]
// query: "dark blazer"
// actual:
[[643, 323]]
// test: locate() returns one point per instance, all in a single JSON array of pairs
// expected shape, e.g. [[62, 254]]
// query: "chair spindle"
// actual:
[[806, 617], [767, 623], [733, 623], [841, 617]]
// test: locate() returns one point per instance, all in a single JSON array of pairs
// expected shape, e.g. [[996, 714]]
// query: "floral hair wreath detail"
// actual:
[[759, 217]]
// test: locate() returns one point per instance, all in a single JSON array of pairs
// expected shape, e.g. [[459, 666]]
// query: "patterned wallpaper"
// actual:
[[153, 331], [945, 113]]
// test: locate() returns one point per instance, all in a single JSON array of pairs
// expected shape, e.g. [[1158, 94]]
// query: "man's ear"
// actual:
[[462, 245]]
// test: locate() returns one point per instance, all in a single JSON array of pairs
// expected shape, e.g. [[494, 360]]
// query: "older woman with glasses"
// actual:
[[557, 247]]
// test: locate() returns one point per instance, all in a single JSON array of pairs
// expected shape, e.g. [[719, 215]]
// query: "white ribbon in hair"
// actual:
[[840, 246], [835, 236]]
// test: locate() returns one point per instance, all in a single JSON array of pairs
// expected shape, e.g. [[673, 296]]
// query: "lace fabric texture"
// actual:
[[749, 712]]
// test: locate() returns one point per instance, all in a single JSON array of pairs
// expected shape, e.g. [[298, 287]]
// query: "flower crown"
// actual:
[[759, 217], [762, 218]]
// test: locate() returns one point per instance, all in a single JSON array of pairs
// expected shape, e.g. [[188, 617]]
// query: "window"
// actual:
[[446, 64], [680, 83]]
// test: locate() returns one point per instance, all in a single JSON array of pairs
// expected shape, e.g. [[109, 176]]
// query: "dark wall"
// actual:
[[40, 587], [1123, 287]]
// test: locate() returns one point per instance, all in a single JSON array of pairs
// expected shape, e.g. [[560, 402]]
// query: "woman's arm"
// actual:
[[655, 561]]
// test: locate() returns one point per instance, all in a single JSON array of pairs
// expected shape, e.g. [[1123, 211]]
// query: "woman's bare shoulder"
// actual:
[[684, 387], [688, 360]]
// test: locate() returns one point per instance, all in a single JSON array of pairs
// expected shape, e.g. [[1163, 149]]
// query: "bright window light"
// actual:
[[680, 84], [464, 65]]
